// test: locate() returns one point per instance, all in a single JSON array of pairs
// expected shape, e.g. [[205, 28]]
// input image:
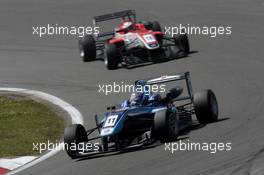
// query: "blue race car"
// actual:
[[145, 118]]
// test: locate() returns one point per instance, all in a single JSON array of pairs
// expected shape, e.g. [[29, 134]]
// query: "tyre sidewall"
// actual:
[[112, 57], [87, 45], [206, 107]]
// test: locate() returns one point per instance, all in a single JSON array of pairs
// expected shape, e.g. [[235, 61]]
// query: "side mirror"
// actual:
[[111, 108]]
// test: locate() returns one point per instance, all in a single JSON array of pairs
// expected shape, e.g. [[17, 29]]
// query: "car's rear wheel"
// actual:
[[166, 126], [206, 106], [156, 26], [113, 56], [73, 136], [87, 48]]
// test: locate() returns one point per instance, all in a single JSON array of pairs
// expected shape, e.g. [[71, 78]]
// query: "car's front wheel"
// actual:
[[73, 136], [182, 42], [112, 57], [87, 48]]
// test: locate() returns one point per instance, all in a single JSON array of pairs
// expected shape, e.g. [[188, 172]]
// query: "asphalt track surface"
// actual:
[[230, 65]]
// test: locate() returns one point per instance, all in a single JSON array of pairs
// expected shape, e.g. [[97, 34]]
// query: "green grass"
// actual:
[[24, 122]]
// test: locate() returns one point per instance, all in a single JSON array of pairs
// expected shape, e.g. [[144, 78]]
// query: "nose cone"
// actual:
[[111, 123]]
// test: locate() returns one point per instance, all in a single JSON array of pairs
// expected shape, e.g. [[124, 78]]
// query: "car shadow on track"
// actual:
[[195, 126], [136, 149], [157, 61], [100, 155], [143, 64], [183, 135]]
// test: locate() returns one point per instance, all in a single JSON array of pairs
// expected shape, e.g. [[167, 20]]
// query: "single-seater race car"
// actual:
[[145, 118], [131, 42]]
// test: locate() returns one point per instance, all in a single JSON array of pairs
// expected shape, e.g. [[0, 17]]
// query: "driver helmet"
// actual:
[[136, 99], [141, 94], [141, 86], [126, 26]]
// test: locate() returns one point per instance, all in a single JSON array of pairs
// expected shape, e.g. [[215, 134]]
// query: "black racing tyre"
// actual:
[[156, 26], [174, 52], [183, 43], [87, 48], [73, 135], [205, 106], [112, 57], [166, 126], [157, 55]]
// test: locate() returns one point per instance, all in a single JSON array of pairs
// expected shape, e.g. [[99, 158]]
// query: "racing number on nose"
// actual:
[[111, 120], [149, 38]]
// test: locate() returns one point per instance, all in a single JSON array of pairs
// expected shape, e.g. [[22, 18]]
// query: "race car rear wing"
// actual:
[[130, 14], [127, 14], [176, 77]]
